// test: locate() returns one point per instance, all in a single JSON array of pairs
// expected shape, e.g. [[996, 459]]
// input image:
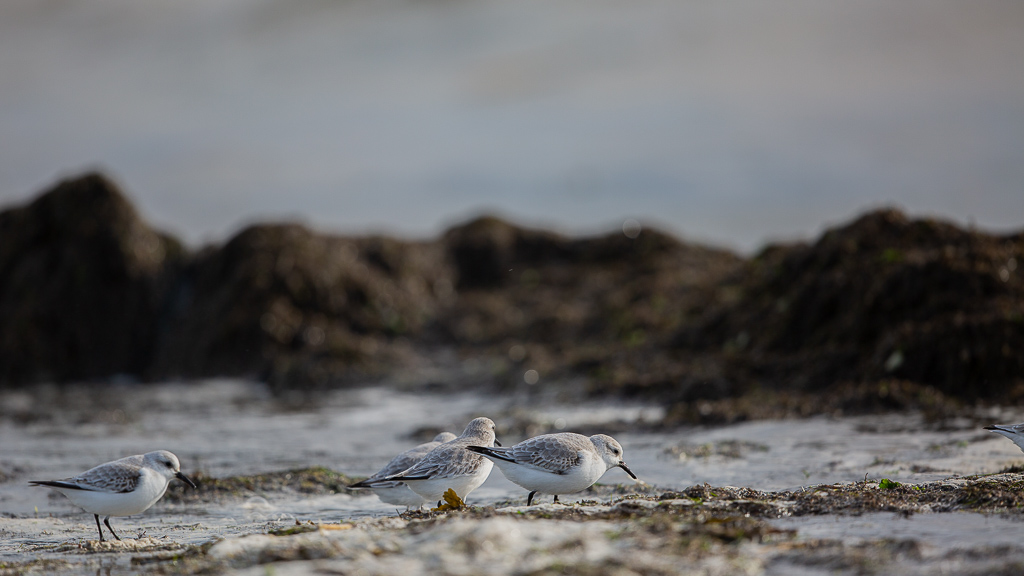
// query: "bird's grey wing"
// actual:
[[550, 452], [406, 460], [117, 476], [445, 461]]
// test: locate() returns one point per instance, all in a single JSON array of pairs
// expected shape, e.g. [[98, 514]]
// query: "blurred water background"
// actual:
[[733, 121]]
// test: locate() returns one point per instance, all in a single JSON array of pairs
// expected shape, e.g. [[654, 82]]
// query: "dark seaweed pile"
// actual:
[[884, 313], [882, 297]]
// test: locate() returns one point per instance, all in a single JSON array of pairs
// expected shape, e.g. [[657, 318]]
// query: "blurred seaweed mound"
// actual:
[[882, 297], [88, 291], [82, 282], [300, 308]]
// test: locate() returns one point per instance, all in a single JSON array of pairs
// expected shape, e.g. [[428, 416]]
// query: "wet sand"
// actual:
[[234, 428]]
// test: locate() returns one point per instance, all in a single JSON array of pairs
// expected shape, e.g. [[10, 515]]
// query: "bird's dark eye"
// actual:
[[169, 465]]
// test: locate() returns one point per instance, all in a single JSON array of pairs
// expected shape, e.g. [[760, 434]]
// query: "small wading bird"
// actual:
[[450, 465], [1014, 432], [122, 487], [395, 491], [563, 463]]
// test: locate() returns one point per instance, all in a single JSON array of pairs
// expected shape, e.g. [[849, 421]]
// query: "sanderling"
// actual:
[[450, 465], [1014, 432], [562, 463], [122, 487], [394, 491]]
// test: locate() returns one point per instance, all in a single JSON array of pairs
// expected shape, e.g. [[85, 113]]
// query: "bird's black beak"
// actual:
[[496, 443], [185, 479], [628, 471]]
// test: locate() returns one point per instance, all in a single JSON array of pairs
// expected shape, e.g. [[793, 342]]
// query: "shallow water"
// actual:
[[228, 427]]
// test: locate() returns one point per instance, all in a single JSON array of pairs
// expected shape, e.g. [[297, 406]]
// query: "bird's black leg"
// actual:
[[98, 527], [529, 499], [556, 499], [107, 522]]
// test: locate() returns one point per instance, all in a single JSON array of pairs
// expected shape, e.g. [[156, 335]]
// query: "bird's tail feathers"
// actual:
[[57, 484], [491, 453]]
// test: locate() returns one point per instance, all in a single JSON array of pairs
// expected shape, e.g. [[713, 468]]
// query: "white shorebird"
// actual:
[[563, 463], [450, 465], [395, 491], [1014, 432], [122, 487]]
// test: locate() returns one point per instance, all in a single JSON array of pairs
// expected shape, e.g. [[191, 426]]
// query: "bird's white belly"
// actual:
[[575, 480]]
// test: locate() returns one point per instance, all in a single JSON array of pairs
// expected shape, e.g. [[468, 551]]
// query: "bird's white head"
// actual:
[[166, 464], [482, 428], [444, 437], [611, 452]]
